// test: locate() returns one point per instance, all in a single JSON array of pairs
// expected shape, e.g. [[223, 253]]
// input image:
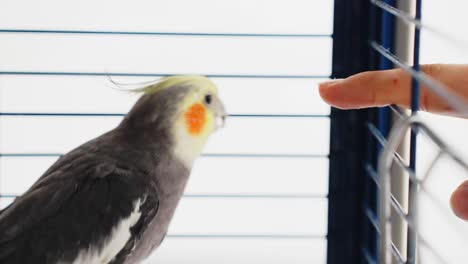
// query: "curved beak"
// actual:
[[220, 112]]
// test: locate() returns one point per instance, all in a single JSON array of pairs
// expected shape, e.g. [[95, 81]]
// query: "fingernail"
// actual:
[[324, 87], [329, 82]]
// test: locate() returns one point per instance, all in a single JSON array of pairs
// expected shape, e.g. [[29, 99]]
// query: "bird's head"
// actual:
[[188, 107]]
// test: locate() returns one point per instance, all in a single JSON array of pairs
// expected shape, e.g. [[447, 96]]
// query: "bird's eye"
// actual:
[[208, 99]]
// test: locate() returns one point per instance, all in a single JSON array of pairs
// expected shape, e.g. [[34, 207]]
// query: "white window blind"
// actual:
[[258, 193]]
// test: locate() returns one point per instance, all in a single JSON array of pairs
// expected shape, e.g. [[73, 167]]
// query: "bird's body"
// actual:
[[111, 200]]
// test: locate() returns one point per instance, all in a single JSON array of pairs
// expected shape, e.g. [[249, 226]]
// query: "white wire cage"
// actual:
[[404, 195]]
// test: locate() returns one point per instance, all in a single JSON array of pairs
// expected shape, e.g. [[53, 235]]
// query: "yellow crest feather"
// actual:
[[170, 81]]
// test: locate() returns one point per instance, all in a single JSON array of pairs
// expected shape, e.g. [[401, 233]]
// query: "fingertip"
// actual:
[[323, 91], [327, 95], [330, 92], [459, 201]]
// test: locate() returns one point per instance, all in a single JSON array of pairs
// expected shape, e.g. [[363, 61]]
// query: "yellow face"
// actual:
[[194, 112], [202, 110], [200, 113]]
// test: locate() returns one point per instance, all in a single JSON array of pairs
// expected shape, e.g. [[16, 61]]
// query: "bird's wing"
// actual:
[[65, 214]]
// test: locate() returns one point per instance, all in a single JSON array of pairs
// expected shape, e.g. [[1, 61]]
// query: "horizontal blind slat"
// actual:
[[265, 176], [165, 54], [259, 16], [240, 136], [233, 251], [84, 94]]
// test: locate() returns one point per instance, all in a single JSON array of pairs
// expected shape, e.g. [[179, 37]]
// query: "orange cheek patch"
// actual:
[[195, 119]]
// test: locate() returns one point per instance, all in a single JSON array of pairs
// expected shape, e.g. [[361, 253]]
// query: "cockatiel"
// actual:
[[111, 199]]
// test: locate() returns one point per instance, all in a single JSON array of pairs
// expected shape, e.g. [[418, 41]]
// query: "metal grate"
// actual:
[[380, 245]]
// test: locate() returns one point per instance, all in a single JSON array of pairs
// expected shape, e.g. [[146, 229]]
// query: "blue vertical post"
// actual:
[[387, 41], [413, 187], [387, 37], [370, 235], [348, 145]]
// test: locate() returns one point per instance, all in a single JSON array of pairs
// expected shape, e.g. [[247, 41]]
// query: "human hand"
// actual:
[[381, 88]]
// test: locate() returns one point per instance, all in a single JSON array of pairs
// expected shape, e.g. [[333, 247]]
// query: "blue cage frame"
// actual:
[[350, 142]]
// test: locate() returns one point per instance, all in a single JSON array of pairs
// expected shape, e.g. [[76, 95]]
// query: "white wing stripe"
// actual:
[[116, 241]]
